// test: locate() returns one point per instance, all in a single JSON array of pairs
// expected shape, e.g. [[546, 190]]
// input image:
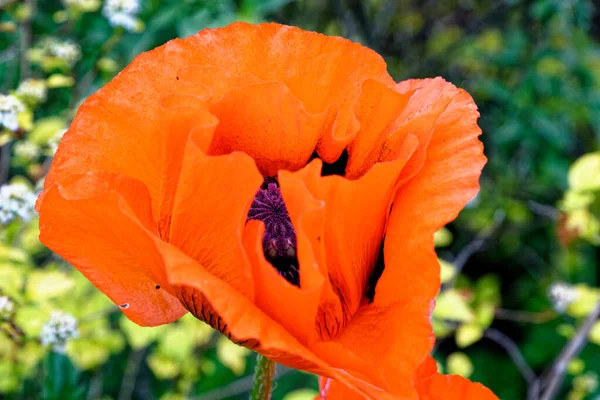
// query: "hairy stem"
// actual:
[[263, 378]]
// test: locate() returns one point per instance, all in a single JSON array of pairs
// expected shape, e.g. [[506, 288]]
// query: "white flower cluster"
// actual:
[[34, 89], [562, 295], [16, 201], [66, 50], [6, 307], [57, 332], [10, 107], [122, 13], [27, 150]]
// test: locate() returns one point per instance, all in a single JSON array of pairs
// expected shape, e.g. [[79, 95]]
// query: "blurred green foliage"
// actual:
[[522, 259]]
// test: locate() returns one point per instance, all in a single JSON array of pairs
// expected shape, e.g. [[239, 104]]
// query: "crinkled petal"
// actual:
[[453, 387], [324, 73], [265, 121], [378, 110], [291, 306], [210, 208], [435, 387], [432, 385], [126, 128], [391, 342], [102, 223], [242, 321], [448, 179], [355, 213]]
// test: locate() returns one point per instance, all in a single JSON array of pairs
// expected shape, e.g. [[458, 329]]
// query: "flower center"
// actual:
[[279, 239]]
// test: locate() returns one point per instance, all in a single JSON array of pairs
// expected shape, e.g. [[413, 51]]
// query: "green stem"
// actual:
[[263, 378]]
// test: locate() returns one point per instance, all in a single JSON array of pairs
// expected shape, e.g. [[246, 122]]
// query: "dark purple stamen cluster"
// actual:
[[279, 240]]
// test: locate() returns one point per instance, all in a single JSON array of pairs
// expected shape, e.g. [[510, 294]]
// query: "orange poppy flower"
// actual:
[[249, 175], [430, 385]]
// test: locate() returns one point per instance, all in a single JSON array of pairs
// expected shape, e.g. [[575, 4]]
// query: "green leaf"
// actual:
[[59, 81], [45, 128], [585, 172], [442, 238], [467, 334], [88, 353], [48, 284], [452, 306], [447, 270], [595, 333], [232, 355], [301, 394], [163, 366], [60, 378], [460, 364], [139, 337]]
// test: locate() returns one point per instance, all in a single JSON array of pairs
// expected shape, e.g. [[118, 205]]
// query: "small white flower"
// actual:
[[562, 295], [6, 307], [16, 201], [27, 150], [122, 13], [10, 107], [57, 332], [66, 50], [34, 89]]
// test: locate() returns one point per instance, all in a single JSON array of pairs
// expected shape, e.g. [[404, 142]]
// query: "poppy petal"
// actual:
[[265, 121], [448, 179], [383, 139], [276, 296], [355, 215], [452, 387], [156, 165], [364, 150], [245, 323], [391, 342], [210, 208], [436, 387], [129, 117], [308, 217], [324, 73], [100, 223]]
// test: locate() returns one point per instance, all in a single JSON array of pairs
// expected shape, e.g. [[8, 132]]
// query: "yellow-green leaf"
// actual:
[[587, 298], [31, 319], [584, 174], [44, 284], [301, 394], [163, 366], [45, 129], [467, 334], [442, 238], [595, 333], [576, 366], [87, 353], [447, 270], [232, 355], [140, 336], [60, 81], [485, 314], [460, 364], [440, 328], [25, 119], [452, 306]]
